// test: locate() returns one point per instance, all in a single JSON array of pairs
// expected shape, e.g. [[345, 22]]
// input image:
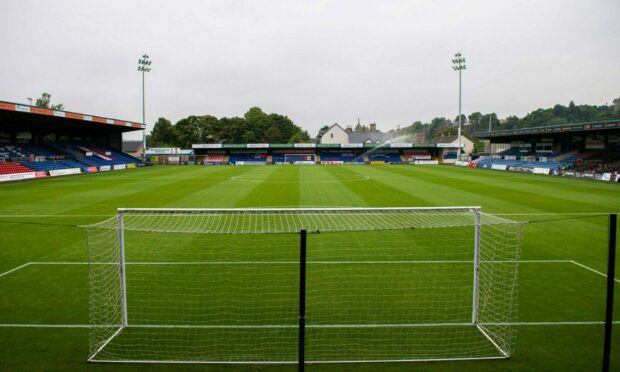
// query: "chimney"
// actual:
[[373, 127]]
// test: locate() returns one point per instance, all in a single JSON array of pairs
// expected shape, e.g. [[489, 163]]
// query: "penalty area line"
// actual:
[[592, 270], [53, 215], [33, 325], [15, 269]]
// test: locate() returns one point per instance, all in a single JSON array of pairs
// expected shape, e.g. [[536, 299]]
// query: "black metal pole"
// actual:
[[611, 272], [302, 300]]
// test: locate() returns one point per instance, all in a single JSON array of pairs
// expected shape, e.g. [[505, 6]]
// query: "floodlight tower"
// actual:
[[458, 63], [144, 65]]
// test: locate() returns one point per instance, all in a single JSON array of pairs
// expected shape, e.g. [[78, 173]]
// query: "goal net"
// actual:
[[248, 286]]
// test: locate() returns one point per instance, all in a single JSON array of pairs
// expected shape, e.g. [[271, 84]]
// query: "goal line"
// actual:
[[519, 324]]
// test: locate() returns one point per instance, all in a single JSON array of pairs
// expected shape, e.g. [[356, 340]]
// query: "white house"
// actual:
[[335, 134]]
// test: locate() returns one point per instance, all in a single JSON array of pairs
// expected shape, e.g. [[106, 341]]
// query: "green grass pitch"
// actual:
[[561, 301]]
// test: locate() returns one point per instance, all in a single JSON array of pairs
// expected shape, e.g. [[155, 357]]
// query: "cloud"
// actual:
[[318, 62]]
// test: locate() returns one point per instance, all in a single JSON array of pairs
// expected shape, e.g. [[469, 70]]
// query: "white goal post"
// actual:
[[302, 285]]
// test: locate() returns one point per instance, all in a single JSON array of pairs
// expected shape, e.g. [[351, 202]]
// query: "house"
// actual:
[[361, 134], [133, 148], [448, 146], [335, 134]]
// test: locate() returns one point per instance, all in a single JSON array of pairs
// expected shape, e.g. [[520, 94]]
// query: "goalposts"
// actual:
[[314, 285]]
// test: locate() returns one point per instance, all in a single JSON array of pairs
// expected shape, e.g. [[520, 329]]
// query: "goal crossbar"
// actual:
[[293, 220], [318, 209]]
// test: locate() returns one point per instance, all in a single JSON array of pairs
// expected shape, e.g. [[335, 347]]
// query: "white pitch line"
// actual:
[[63, 263], [309, 206], [567, 323], [288, 262], [554, 214], [53, 215], [48, 326], [591, 269], [593, 322], [15, 269]]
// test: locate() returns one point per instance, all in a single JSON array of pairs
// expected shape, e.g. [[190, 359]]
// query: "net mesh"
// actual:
[[382, 285]]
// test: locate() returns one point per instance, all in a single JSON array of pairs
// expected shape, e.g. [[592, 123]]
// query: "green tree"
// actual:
[[257, 121], [233, 130], [272, 135], [300, 137], [483, 123], [463, 119], [417, 126], [448, 131], [163, 134], [45, 101], [190, 130], [285, 126], [436, 126], [512, 122], [474, 120], [248, 137], [255, 126]]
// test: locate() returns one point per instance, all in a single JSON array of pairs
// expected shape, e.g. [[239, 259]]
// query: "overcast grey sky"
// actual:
[[318, 62]]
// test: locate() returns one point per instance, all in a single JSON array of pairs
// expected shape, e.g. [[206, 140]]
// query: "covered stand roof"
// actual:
[[32, 117]]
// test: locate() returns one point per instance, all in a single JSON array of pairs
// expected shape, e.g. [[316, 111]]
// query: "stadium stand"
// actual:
[[295, 158], [37, 142], [54, 165], [582, 150], [10, 168], [247, 158], [26, 151], [412, 155], [277, 158], [95, 155], [61, 156], [596, 163], [214, 158], [522, 165], [449, 155], [337, 157], [513, 151], [392, 158]]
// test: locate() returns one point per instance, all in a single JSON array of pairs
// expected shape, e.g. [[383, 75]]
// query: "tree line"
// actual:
[[255, 126], [478, 122], [559, 114]]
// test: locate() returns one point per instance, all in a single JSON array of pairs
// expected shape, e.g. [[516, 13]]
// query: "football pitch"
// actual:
[[44, 279]]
